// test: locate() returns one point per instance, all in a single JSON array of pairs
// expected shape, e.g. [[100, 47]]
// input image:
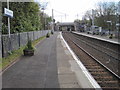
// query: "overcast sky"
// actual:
[[74, 9]]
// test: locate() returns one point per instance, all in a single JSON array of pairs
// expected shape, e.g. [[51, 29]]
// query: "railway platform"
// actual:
[[103, 38], [54, 65]]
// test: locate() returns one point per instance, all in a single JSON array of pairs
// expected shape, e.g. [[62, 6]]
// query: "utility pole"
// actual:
[[65, 16], [77, 16], [61, 18], [44, 19], [119, 7], [52, 19], [92, 19]]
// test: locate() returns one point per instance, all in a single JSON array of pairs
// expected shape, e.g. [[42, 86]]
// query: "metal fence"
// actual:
[[18, 40], [0, 48]]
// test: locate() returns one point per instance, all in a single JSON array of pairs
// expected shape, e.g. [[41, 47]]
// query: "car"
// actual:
[[105, 32], [95, 32]]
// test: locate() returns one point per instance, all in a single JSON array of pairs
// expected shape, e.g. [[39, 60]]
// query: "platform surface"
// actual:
[[52, 66]]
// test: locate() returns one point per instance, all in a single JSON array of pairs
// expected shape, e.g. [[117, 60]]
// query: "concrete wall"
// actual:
[[18, 40]]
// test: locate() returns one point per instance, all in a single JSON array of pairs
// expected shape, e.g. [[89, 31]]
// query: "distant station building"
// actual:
[[66, 26], [70, 26]]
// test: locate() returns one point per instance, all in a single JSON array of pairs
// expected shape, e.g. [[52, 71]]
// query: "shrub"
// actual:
[[111, 36], [52, 32], [48, 35], [29, 49], [29, 46]]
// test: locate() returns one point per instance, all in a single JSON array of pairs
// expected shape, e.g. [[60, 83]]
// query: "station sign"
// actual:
[[8, 13]]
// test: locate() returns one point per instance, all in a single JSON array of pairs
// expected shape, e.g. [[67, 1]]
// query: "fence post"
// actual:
[[19, 40], [9, 42], [33, 36], [28, 36]]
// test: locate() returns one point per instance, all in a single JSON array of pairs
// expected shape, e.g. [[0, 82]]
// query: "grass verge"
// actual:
[[15, 55]]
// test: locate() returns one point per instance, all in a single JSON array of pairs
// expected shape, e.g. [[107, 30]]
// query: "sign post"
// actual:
[[9, 14], [109, 24]]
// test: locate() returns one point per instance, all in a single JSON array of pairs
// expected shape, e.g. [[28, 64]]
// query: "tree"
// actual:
[[105, 11], [88, 17], [45, 19], [26, 17]]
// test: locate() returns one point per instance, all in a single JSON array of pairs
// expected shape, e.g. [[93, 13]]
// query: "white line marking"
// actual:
[[12, 63], [85, 71]]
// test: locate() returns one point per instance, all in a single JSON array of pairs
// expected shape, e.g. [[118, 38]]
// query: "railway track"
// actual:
[[104, 55], [103, 75], [108, 51]]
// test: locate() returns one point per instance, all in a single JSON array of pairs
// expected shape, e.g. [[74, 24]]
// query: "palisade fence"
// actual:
[[19, 39], [0, 46], [0, 33]]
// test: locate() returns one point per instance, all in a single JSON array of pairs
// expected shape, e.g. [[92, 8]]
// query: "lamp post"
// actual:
[[118, 19], [52, 19], [43, 6], [44, 17]]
